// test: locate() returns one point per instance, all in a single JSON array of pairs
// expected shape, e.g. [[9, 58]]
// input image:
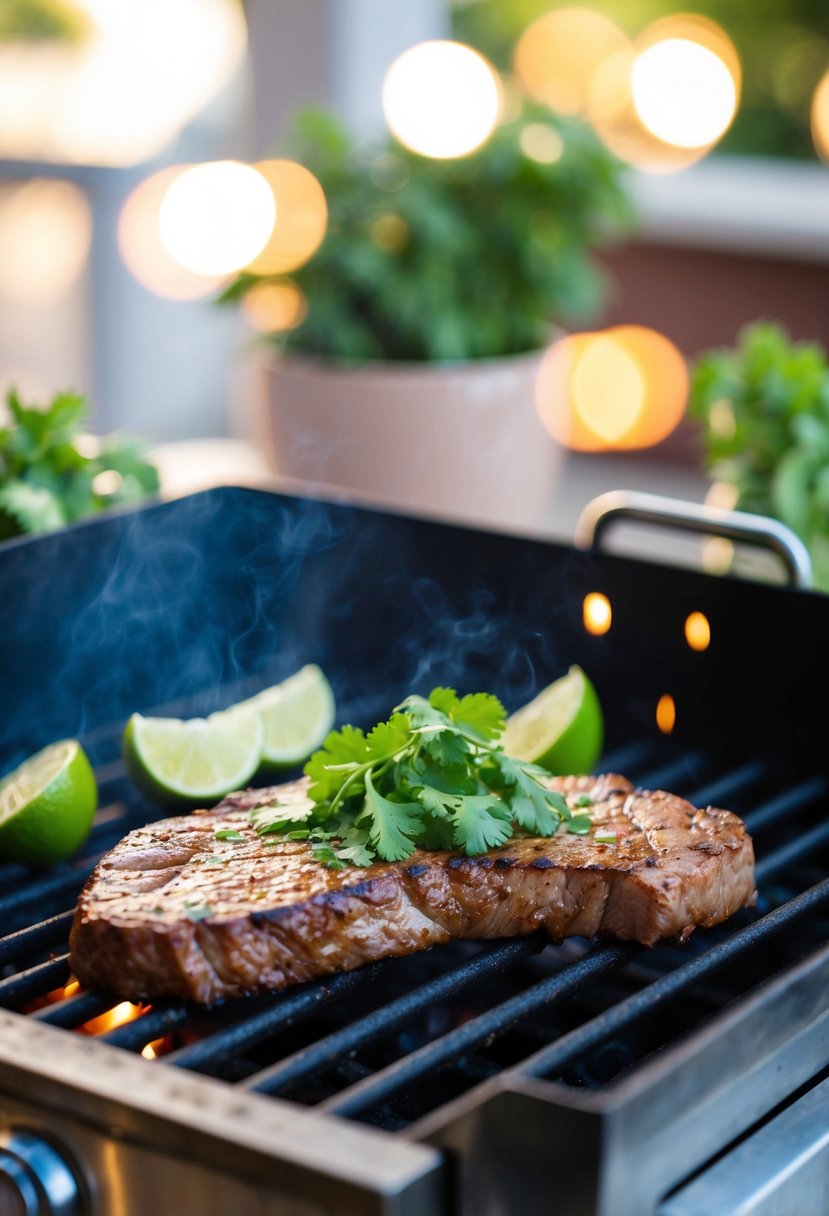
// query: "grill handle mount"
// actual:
[[601, 513]]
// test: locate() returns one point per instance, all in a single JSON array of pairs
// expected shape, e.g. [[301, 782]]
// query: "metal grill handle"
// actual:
[[601, 513]]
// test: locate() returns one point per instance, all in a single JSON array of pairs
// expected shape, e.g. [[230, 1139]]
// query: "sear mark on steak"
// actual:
[[161, 915]]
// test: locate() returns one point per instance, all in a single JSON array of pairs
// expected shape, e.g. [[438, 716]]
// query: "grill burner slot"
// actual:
[[393, 1042]]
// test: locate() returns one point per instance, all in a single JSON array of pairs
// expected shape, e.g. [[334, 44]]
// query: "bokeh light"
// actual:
[[596, 613], [215, 218], [139, 240], [558, 56], [390, 232], [301, 217], [820, 117], [140, 74], [651, 131], [683, 93], [441, 99], [697, 631], [666, 714], [274, 307], [45, 234], [541, 143], [622, 388]]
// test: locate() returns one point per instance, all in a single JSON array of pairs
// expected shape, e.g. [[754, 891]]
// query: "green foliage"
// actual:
[[46, 481], [41, 21], [447, 260], [433, 776], [764, 406]]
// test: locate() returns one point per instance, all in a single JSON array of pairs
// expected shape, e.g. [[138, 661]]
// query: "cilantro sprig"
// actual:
[[433, 776]]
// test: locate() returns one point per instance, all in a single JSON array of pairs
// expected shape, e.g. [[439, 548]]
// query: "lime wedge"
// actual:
[[297, 715], [47, 805], [562, 729], [195, 762]]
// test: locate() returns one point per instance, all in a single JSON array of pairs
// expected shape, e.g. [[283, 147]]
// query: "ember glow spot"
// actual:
[[597, 613], [441, 99], [698, 631], [666, 714]]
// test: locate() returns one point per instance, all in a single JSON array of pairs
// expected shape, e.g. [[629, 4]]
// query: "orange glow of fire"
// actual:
[[113, 1018], [666, 714], [597, 613], [698, 631]]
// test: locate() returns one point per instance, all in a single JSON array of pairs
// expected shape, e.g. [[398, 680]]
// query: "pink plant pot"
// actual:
[[458, 441]]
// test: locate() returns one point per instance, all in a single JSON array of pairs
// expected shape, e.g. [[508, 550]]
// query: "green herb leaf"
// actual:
[[392, 826], [229, 834]]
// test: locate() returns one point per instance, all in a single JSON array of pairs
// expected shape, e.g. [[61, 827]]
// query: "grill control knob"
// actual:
[[35, 1180]]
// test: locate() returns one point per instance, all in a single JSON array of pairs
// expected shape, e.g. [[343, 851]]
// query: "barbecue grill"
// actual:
[[477, 1078]]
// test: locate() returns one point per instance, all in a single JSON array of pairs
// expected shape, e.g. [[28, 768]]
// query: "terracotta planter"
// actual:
[[461, 441]]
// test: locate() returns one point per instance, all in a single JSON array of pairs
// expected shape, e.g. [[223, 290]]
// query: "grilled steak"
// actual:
[[173, 911]]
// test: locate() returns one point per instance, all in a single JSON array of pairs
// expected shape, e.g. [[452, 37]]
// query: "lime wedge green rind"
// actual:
[[297, 716], [47, 805], [193, 763], [561, 729]]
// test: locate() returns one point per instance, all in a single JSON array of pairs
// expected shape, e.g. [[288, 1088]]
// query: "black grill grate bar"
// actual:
[[629, 756], [35, 981], [731, 783], [790, 800], [261, 1026], [75, 1010], [148, 1026], [796, 850], [385, 1084], [680, 772], [26, 941], [328, 1051], [638, 1006], [50, 888]]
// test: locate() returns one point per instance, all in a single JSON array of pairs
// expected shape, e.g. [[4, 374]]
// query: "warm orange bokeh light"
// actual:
[[45, 235], [666, 714], [698, 631], [442, 99], [685, 73], [622, 388], [597, 613], [820, 117], [275, 307], [139, 241], [215, 218], [558, 56], [301, 217]]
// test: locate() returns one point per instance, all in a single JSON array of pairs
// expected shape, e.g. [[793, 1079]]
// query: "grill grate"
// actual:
[[394, 1041]]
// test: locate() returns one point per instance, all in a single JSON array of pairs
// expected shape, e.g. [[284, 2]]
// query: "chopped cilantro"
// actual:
[[432, 776], [228, 834]]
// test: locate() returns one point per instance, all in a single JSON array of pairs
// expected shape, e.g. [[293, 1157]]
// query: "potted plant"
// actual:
[[439, 283], [764, 406], [52, 472]]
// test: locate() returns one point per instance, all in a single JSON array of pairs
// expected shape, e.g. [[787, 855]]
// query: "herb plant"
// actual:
[[48, 478], [433, 776], [764, 406], [452, 259]]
